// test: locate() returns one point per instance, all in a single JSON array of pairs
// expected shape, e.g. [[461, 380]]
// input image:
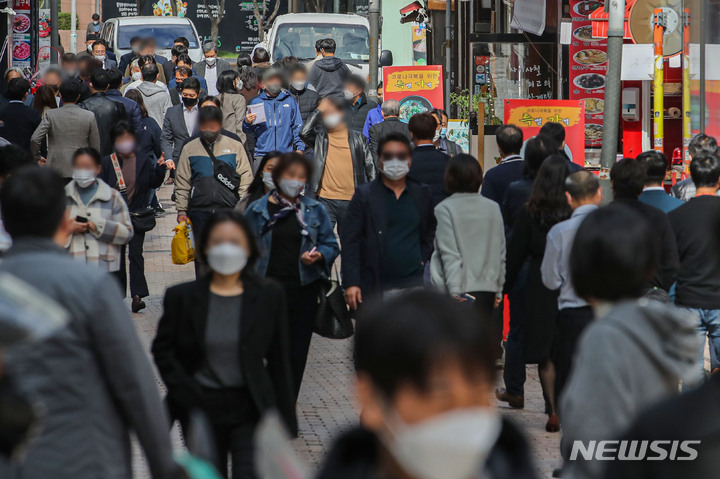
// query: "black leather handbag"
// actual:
[[333, 317], [143, 220]]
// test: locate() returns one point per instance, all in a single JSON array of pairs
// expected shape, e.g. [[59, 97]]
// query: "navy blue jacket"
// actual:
[[497, 179], [134, 116], [660, 200], [362, 236], [428, 167]]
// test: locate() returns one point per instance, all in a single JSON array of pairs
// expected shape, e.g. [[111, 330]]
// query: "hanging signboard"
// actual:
[[531, 115], [21, 46], [417, 88]]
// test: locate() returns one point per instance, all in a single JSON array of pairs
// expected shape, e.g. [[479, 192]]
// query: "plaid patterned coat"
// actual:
[[107, 209]]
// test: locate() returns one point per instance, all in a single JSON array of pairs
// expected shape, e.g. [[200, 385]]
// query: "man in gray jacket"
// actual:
[[92, 377], [156, 97]]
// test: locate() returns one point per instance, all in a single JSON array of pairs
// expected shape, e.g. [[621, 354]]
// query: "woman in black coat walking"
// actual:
[[222, 345], [546, 207]]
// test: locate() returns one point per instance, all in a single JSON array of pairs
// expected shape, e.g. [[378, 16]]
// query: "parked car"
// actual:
[[118, 32]]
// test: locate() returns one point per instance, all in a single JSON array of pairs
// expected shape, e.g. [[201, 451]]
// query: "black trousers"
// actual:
[[138, 283], [336, 209], [485, 306], [570, 325], [199, 218], [232, 417], [514, 371], [302, 308]]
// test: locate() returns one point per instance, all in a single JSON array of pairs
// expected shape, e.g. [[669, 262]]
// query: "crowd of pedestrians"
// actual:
[[290, 172]]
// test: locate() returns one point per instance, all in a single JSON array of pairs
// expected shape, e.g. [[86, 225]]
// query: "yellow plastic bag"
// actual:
[[182, 247]]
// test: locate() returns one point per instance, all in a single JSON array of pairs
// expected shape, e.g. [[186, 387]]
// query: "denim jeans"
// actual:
[[336, 210], [708, 324]]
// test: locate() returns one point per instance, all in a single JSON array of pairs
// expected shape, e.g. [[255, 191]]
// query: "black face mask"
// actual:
[[210, 136], [189, 102], [179, 86], [17, 418]]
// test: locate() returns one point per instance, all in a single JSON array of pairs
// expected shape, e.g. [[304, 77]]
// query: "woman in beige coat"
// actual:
[[233, 103]]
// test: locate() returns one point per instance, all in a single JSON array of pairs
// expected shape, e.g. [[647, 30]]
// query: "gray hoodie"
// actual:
[[328, 76], [157, 100], [627, 360]]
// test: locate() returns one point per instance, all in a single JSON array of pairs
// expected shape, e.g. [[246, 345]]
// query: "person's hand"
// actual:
[[309, 258], [78, 227], [91, 226], [497, 302], [181, 218], [250, 117], [353, 297], [168, 164], [42, 161], [459, 298]]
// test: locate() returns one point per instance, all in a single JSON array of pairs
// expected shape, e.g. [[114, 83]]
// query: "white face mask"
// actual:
[[227, 258], [332, 120], [268, 181], [84, 178], [395, 169], [348, 95], [453, 445], [298, 85], [136, 76], [125, 147], [437, 136], [100, 58], [291, 188], [238, 85], [211, 61]]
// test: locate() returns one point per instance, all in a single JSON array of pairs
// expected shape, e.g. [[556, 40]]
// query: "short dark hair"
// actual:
[[69, 58], [261, 56], [423, 126], [399, 342], [335, 101], [393, 138], [555, 131], [91, 36], [582, 185], [185, 58], [17, 89], [99, 79], [509, 139], [99, 42], [224, 216], [184, 71], [145, 60], [702, 145], [356, 81], [537, 149], [613, 255], [212, 99], [244, 60], [13, 157], [121, 128], [183, 41], [628, 178], [318, 45], [327, 44], [115, 78], [150, 72], [95, 16], [210, 113], [705, 171], [70, 90], [463, 174], [178, 50], [191, 83], [248, 77], [33, 202], [134, 39], [286, 161], [296, 67], [91, 152], [226, 81], [656, 165]]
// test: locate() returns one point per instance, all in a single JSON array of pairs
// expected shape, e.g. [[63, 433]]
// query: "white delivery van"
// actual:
[[295, 35], [117, 32]]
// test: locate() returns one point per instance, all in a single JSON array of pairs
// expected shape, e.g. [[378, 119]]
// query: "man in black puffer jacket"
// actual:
[[304, 94], [358, 104]]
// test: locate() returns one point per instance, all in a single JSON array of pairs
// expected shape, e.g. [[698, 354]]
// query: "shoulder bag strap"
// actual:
[[122, 187]]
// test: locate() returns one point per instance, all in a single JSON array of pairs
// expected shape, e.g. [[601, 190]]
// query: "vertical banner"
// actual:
[[418, 89], [588, 69], [531, 115], [44, 39], [21, 46], [419, 43]]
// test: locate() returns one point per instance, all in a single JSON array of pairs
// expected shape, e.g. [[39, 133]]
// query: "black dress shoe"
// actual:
[[137, 304], [515, 402]]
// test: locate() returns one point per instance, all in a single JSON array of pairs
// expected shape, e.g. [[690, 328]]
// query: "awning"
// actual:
[[600, 19]]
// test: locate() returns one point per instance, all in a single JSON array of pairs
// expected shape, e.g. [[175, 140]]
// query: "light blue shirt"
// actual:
[[555, 267]]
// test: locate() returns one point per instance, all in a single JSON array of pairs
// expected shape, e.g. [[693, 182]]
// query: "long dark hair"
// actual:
[[537, 149], [44, 98], [256, 190], [231, 216], [226, 81], [548, 204], [137, 97]]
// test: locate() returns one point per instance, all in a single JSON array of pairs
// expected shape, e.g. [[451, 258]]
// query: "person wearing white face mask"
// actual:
[[430, 414], [100, 219], [99, 52], [388, 231], [357, 103], [211, 68], [135, 175], [303, 93], [262, 183], [299, 246], [342, 158], [222, 345]]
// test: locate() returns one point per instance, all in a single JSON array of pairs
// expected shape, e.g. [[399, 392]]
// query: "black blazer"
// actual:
[[428, 167], [380, 130], [179, 346], [17, 124]]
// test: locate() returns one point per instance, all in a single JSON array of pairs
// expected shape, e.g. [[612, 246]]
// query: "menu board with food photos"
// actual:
[[588, 68], [21, 52]]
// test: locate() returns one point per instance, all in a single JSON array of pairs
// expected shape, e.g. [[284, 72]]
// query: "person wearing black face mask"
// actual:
[[218, 177], [181, 120], [175, 86]]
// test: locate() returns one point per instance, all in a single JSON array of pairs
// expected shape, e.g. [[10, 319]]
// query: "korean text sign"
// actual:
[[425, 82]]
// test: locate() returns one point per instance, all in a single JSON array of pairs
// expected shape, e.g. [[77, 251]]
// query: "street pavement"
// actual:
[[326, 405]]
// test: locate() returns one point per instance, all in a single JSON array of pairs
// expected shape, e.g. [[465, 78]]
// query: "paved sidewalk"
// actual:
[[326, 404]]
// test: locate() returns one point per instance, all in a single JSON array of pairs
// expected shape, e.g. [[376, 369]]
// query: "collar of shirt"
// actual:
[[511, 158], [191, 110], [16, 101], [654, 188], [583, 210]]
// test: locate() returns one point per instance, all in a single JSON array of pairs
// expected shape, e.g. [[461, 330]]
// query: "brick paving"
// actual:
[[326, 405]]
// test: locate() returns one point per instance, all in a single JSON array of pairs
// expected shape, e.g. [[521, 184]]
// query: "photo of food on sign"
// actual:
[[594, 105], [584, 9], [21, 23], [591, 56], [590, 81], [418, 88]]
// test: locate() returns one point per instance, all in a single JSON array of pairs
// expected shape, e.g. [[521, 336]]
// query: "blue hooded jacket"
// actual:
[[281, 131]]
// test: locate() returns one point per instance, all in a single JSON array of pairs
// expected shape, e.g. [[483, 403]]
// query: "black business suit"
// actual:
[[178, 350], [18, 122]]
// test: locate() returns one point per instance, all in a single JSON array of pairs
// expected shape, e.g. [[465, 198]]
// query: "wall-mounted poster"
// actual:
[[417, 88], [459, 132]]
